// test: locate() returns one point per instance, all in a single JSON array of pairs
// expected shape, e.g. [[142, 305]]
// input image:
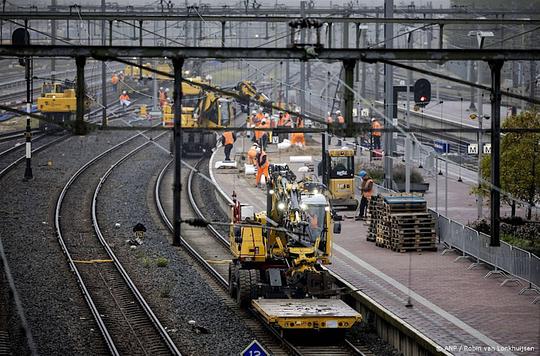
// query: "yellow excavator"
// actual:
[[286, 245], [201, 112], [279, 257], [338, 176], [247, 90]]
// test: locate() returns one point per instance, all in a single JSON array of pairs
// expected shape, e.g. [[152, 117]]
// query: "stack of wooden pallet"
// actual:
[[373, 210], [402, 223]]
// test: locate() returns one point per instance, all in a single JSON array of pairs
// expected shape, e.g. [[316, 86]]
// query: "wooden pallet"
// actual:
[[415, 248], [416, 233], [401, 224]]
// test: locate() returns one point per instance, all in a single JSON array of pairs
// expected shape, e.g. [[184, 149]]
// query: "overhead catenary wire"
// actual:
[[411, 68]]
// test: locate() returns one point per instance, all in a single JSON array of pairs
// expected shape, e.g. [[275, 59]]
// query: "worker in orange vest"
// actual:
[[314, 229], [329, 119], [297, 138], [284, 121], [281, 120], [262, 166], [265, 124], [228, 138], [367, 190], [124, 100], [252, 154], [114, 82], [259, 116], [340, 119], [376, 135]]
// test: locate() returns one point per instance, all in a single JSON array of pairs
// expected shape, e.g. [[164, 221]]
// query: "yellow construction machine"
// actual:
[[57, 102], [339, 178], [133, 72], [283, 249], [247, 90], [278, 258], [201, 112]]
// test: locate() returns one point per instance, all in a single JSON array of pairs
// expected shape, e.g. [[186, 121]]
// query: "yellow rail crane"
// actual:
[[278, 257], [57, 102], [340, 179], [247, 90], [201, 112]]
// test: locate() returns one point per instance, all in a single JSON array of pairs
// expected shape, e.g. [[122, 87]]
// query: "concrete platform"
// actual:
[[457, 308]]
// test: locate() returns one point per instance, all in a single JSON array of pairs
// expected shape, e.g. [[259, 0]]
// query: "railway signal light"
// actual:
[[422, 92], [21, 37]]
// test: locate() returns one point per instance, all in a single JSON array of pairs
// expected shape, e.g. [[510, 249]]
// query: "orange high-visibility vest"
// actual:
[[288, 121], [376, 125], [314, 221], [252, 154], [124, 97], [259, 133], [369, 192], [114, 79], [229, 139]]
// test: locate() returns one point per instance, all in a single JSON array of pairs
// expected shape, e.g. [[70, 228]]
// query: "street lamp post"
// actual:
[[480, 36]]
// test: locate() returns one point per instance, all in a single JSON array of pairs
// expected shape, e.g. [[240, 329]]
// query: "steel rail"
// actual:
[[22, 158], [86, 293], [148, 310], [221, 239], [223, 283], [190, 249]]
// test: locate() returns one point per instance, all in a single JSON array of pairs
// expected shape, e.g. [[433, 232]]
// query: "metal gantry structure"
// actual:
[[349, 57]]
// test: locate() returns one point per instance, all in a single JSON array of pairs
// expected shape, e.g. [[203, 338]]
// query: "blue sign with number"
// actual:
[[254, 349], [441, 146]]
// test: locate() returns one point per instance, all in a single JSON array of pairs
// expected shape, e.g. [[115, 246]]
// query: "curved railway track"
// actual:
[[210, 249], [125, 320]]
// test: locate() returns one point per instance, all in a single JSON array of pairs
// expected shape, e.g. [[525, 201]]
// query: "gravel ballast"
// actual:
[[176, 289], [57, 314]]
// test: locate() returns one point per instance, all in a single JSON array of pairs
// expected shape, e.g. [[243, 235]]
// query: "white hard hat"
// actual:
[[329, 113], [253, 112], [124, 92], [373, 119], [260, 109], [338, 112], [166, 89], [266, 115], [160, 88]]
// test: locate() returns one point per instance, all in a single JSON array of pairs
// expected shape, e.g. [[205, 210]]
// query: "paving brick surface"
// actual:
[[442, 288]]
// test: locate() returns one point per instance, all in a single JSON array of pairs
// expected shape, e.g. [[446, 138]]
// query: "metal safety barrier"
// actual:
[[514, 264]]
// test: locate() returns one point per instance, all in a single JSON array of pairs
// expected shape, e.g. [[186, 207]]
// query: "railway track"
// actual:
[[9, 157], [211, 250], [126, 322]]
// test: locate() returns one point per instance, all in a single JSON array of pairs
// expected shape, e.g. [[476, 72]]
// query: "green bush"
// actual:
[[377, 173], [399, 175], [522, 234]]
